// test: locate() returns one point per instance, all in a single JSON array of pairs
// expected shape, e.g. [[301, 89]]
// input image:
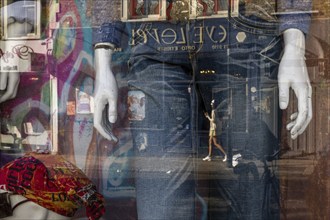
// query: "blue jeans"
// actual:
[[175, 72]]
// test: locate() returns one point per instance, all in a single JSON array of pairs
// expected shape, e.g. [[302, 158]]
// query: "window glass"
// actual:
[[174, 109], [21, 19]]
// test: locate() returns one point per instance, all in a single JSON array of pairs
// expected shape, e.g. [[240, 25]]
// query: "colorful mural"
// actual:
[[73, 54], [69, 58]]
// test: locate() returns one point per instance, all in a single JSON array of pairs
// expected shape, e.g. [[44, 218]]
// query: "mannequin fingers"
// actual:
[[98, 120], [294, 116], [290, 125], [104, 130], [309, 115], [99, 124], [3, 80], [104, 133], [294, 136], [308, 118], [113, 137], [302, 95], [98, 109], [304, 126], [300, 123], [283, 94]]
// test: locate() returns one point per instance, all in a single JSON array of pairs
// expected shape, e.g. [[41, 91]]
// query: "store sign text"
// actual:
[[169, 36]]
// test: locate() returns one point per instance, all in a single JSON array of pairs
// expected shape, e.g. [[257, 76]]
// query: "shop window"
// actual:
[[144, 9], [133, 10], [21, 19], [215, 8]]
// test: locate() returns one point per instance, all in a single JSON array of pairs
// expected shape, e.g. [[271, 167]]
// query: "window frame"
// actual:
[[125, 4], [37, 32]]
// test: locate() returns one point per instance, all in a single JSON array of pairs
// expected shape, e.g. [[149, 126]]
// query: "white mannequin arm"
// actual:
[[293, 74], [106, 90]]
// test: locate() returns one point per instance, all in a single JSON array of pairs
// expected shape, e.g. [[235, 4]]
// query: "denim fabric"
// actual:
[[164, 165], [236, 65], [109, 32], [290, 14], [300, 20]]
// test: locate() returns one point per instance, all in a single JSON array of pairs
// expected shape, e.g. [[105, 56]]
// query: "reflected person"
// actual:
[[212, 135]]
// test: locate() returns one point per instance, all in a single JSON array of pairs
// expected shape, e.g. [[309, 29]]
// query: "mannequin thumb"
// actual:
[[112, 111], [284, 96]]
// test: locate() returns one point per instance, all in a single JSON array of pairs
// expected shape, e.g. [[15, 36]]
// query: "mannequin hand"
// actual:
[[293, 74], [9, 83], [106, 93]]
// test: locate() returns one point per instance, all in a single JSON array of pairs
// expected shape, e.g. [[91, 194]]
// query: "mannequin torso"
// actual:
[[30, 210]]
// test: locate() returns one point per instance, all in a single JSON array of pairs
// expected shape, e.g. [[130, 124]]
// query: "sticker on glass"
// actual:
[[136, 105]]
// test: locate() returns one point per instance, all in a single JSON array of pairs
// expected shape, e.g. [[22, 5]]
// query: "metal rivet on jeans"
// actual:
[[241, 36]]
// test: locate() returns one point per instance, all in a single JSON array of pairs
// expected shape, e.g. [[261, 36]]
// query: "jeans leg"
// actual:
[[161, 130], [243, 85]]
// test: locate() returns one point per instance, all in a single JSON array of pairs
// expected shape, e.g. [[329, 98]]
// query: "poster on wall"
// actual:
[[84, 102], [23, 55]]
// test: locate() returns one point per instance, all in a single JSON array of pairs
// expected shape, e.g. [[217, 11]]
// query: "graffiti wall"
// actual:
[[66, 77]]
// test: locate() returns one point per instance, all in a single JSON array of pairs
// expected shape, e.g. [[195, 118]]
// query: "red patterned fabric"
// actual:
[[53, 183]]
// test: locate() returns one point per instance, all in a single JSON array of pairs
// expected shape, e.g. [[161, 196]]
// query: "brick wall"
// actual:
[[103, 11]]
